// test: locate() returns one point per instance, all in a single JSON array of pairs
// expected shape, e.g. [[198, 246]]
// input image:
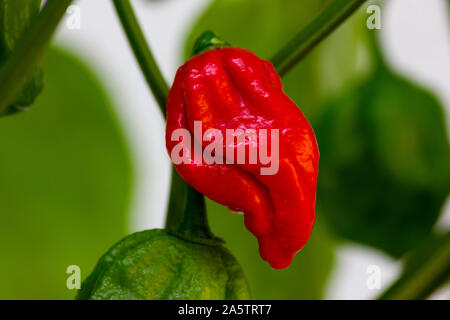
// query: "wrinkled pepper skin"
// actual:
[[231, 88], [157, 265]]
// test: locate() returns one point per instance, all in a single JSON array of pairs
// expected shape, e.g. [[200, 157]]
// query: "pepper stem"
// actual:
[[143, 52], [208, 41], [194, 224]]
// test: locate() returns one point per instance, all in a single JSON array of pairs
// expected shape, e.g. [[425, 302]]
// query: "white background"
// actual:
[[417, 41]]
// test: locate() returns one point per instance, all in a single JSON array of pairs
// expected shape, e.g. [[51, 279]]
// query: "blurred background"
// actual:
[[87, 164]]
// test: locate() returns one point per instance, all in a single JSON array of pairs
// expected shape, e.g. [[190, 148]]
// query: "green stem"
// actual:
[[142, 51], [194, 222], [185, 216], [177, 201], [193, 217], [310, 36], [428, 270], [22, 62]]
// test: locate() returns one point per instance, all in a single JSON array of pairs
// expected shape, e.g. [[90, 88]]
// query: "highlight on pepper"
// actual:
[[251, 146]]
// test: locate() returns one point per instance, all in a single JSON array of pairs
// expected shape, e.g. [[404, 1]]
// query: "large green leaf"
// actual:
[[65, 180], [385, 163]]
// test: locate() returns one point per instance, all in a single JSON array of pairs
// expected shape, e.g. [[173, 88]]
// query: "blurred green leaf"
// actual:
[[385, 163], [15, 18], [65, 180]]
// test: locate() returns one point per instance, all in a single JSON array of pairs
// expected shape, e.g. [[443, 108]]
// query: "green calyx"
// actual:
[[208, 41], [156, 265]]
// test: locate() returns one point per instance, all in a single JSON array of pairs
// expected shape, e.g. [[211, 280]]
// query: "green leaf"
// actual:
[[16, 17], [157, 265], [385, 163], [65, 180]]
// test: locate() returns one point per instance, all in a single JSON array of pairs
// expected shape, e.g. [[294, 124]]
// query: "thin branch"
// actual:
[[425, 271], [160, 89], [310, 36], [143, 53]]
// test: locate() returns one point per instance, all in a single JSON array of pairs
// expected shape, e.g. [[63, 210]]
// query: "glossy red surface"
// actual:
[[232, 88]]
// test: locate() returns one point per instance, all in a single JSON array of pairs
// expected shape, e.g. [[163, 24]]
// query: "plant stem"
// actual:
[[179, 190], [22, 62], [428, 269], [177, 201], [142, 51], [310, 36], [194, 222], [193, 217]]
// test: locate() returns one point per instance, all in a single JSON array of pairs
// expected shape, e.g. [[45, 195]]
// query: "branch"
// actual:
[[426, 271], [310, 36], [179, 190], [143, 53]]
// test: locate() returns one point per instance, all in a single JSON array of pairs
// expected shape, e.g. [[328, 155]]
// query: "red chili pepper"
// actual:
[[231, 88]]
